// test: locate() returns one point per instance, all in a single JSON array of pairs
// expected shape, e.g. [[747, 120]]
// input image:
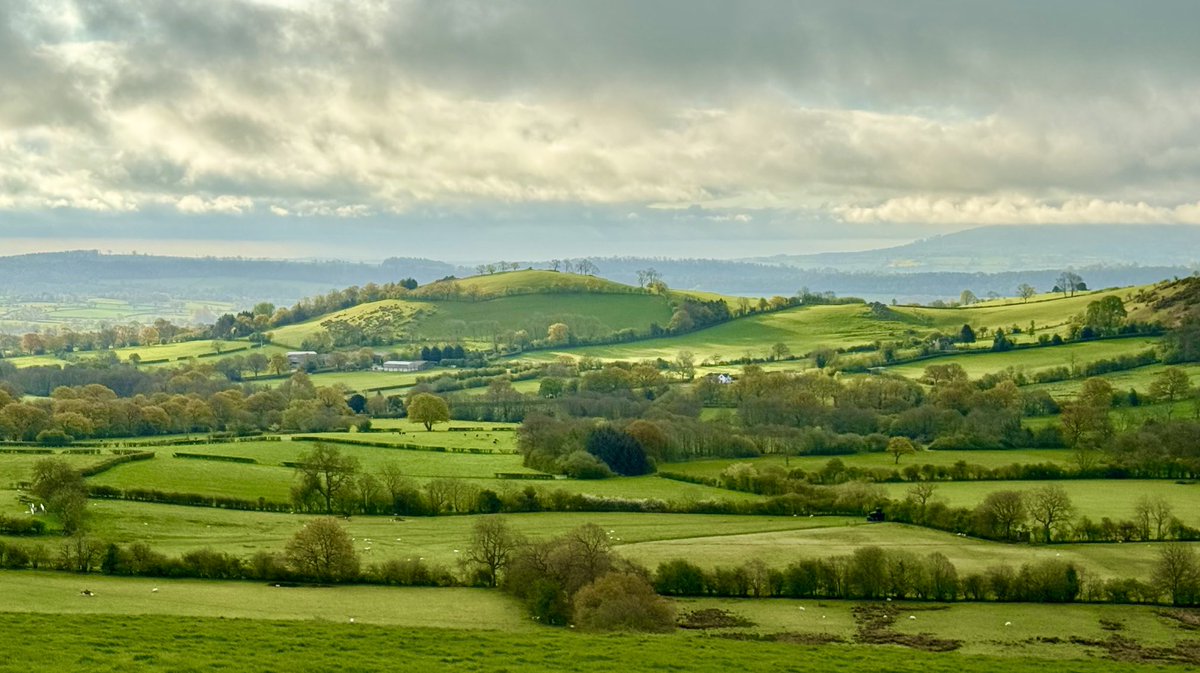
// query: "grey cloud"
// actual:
[[861, 111]]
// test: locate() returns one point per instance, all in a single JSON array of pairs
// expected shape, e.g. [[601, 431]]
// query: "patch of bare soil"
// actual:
[[1125, 649], [875, 627], [712, 618], [795, 638], [1185, 619]]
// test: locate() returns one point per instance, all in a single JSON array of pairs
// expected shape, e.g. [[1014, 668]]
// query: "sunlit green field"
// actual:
[[802, 329], [969, 555], [174, 529], [19, 466], [370, 380], [1031, 360], [1093, 498], [1138, 379], [190, 625], [713, 468]]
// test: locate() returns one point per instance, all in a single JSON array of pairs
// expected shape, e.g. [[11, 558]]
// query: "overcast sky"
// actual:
[[476, 130]]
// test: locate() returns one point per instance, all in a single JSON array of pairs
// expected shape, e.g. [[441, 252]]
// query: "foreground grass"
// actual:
[[118, 631]]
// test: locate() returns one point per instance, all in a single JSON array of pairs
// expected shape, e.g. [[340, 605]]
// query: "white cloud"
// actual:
[[1018, 210], [991, 116], [228, 205]]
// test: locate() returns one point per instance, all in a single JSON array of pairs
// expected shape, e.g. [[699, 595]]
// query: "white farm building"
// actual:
[[405, 365]]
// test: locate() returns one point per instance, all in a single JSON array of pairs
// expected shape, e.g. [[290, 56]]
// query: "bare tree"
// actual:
[[1050, 505], [1026, 291], [1177, 573], [1153, 513], [921, 492], [492, 544]]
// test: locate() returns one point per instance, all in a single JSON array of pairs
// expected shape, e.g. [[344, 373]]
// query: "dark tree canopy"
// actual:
[[619, 450]]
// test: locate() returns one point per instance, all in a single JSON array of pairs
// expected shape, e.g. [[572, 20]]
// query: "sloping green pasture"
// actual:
[[1031, 360], [713, 468], [1114, 498], [131, 641], [969, 555]]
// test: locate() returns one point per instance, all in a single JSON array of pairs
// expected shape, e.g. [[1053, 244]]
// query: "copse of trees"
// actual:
[[188, 401]]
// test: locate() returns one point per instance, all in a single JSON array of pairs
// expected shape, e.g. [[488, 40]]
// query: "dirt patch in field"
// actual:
[[875, 628], [795, 638], [1120, 648], [1184, 619], [1125, 649], [1112, 625], [712, 618]]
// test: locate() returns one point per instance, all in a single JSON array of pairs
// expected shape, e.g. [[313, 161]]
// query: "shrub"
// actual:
[[583, 465], [622, 602]]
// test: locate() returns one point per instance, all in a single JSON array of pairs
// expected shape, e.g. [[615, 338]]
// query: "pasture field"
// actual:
[[802, 329], [170, 353], [1032, 359], [528, 281], [1138, 379], [1046, 311], [152, 643], [394, 310], [273, 482], [615, 311], [713, 468], [194, 349], [806, 328], [88, 312], [969, 555], [456, 608], [174, 529], [1092, 497], [453, 320], [184, 627], [16, 467], [363, 382], [527, 387]]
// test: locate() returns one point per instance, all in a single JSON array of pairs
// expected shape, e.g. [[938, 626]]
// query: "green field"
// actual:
[[969, 555], [1031, 360], [801, 329], [1046, 311], [1094, 498], [175, 529], [456, 320], [395, 309], [19, 466], [713, 468], [368, 381], [133, 641], [87, 313], [184, 625], [1138, 379]]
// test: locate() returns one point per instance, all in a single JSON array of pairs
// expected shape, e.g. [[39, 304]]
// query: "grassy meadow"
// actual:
[[779, 548], [1114, 498], [123, 642], [991, 459], [1032, 360]]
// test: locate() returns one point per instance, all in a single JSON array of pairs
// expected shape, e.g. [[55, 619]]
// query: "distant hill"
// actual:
[[241, 281], [907, 273], [1012, 248]]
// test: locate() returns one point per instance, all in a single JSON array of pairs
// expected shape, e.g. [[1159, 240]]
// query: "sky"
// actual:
[[529, 130]]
